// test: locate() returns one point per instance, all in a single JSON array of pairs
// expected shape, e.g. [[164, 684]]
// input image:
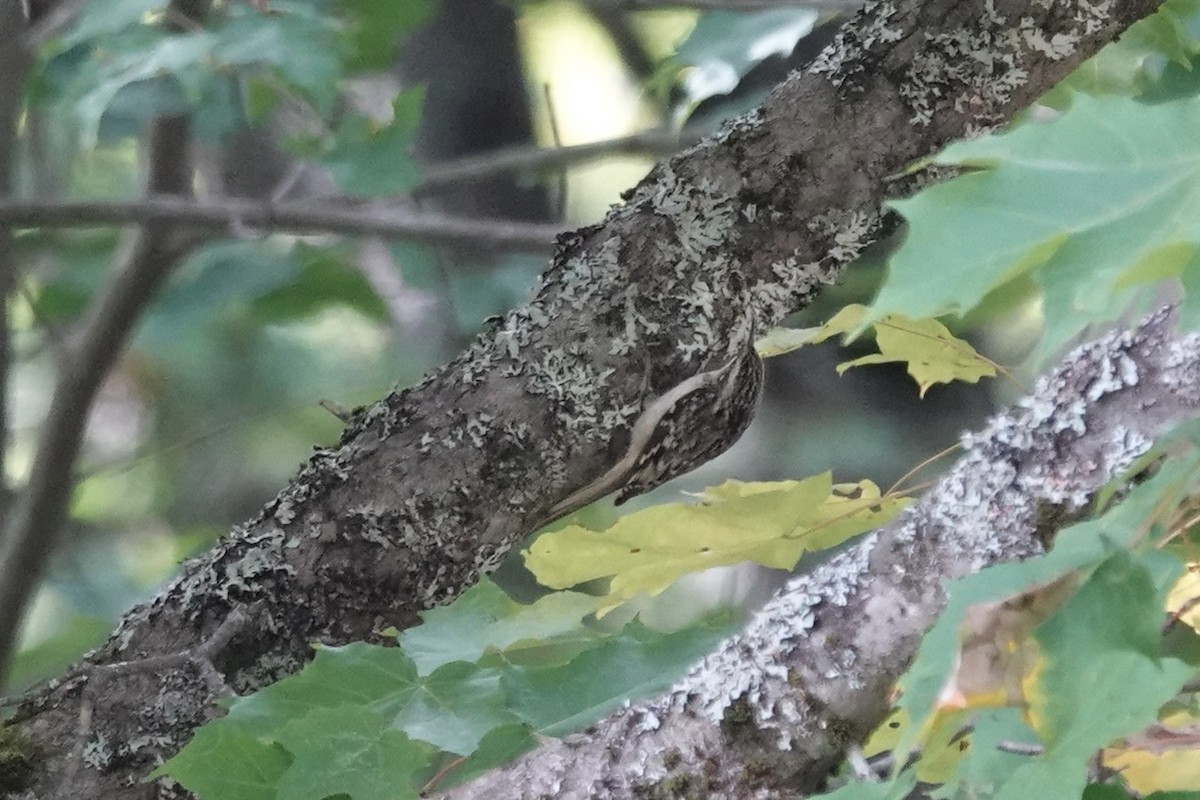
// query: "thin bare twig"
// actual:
[[728, 5], [143, 262], [660, 143], [560, 210], [226, 213]]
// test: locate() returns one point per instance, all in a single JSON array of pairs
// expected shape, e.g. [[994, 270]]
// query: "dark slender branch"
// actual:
[[560, 199], [52, 23], [14, 66], [144, 260], [230, 213], [631, 47], [657, 143], [728, 5]]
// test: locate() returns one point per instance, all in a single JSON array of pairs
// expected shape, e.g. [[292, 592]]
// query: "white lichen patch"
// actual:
[[1181, 373], [793, 279], [1122, 448], [97, 753], [573, 383], [774, 299], [1114, 374], [1092, 15], [269, 668], [285, 510], [734, 128], [843, 61], [978, 495], [851, 229], [1056, 46], [705, 216], [478, 427], [239, 568], [368, 520], [755, 667], [975, 69], [701, 341], [155, 743], [628, 339]]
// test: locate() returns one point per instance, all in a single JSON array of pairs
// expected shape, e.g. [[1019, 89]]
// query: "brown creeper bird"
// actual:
[[689, 424]]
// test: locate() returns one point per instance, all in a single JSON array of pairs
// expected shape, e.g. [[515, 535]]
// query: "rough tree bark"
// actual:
[[432, 485]]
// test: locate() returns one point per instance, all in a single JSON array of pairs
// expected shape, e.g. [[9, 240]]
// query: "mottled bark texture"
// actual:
[[769, 713], [433, 484]]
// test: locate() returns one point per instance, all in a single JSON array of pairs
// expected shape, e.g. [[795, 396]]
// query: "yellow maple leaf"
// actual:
[[941, 750], [778, 341], [769, 523], [931, 352], [1183, 601], [1163, 758]]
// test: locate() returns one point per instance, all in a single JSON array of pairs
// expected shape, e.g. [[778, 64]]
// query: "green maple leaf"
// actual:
[[347, 750], [1093, 206]]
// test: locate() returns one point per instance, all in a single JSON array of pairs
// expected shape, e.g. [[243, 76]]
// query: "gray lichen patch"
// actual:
[[847, 60], [153, 712], [842, 234], [755, 667], [979, 67], [250, 562], [976, 66], [703, 214]]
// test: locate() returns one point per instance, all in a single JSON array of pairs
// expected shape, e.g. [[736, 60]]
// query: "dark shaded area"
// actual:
[[476, 100]]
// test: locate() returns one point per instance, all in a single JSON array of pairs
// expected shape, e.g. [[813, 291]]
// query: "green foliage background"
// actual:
[[1052, 227]]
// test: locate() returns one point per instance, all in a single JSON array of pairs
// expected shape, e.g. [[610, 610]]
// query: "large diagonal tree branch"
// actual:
[[775, 708], [432, 485]]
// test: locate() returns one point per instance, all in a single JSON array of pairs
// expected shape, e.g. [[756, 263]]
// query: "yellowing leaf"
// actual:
[[1184, 599], [887, 735], [769, 523], [932, 353], [847, 320], [1164, 758], [999, 662], [778, 341], [941, 753]]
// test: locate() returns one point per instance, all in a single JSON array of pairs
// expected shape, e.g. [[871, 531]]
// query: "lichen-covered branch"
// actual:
[[432, 485], [776, 707]]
